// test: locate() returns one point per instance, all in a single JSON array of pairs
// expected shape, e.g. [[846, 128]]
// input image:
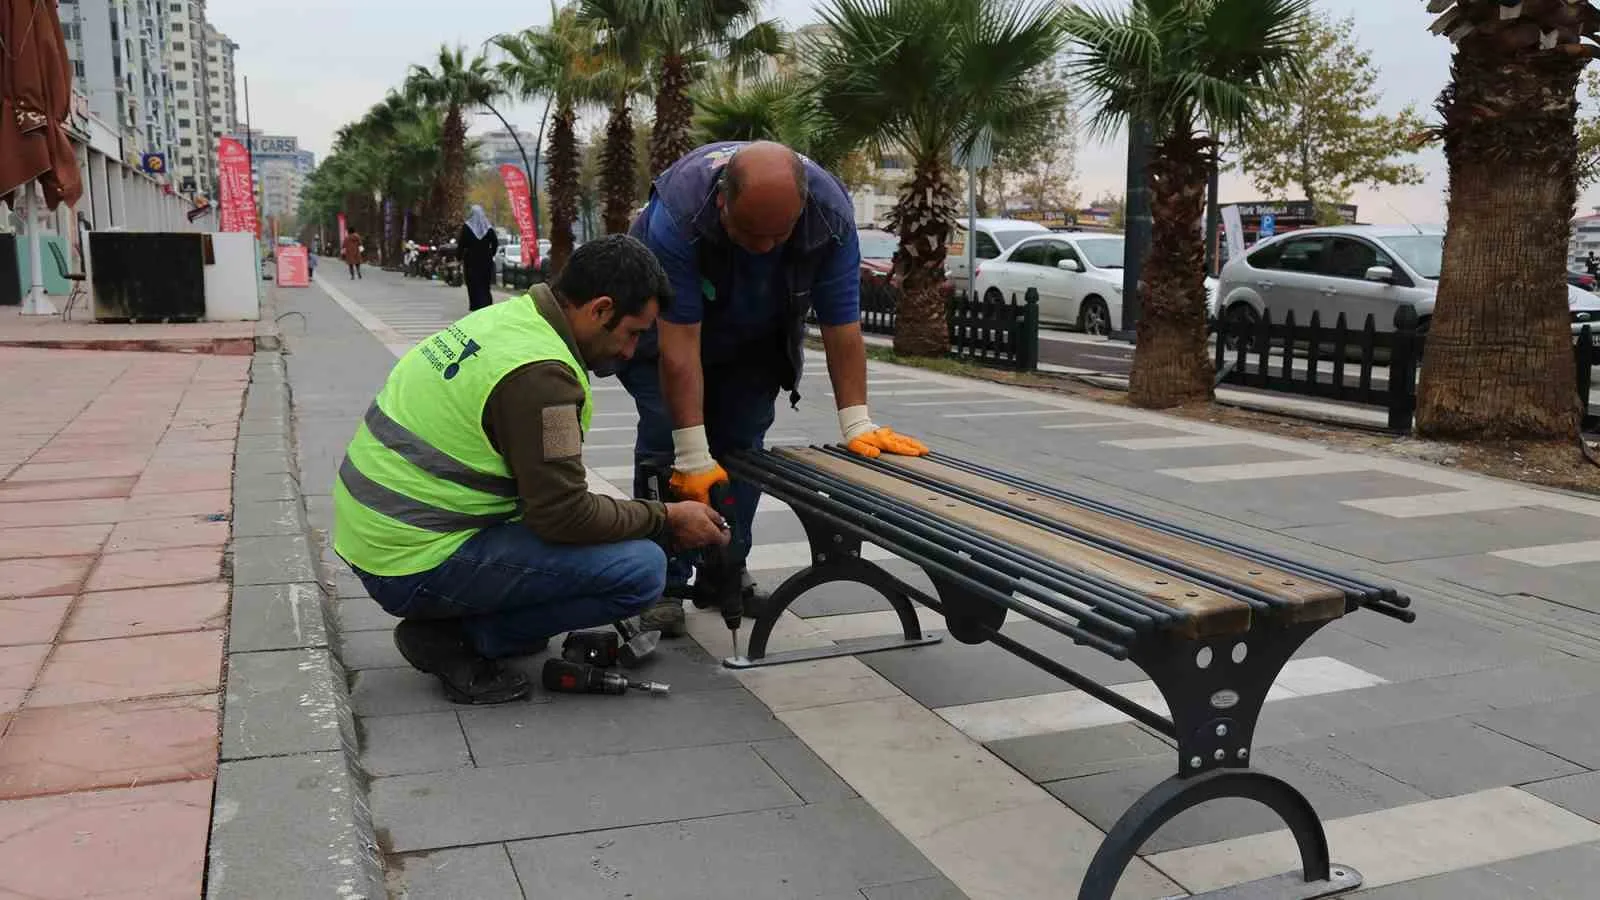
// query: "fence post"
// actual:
[[1028, 338], [1403, 370], [1583, 355]]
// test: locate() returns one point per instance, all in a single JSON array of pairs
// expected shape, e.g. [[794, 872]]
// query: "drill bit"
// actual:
[[734, 630], [653, 687]]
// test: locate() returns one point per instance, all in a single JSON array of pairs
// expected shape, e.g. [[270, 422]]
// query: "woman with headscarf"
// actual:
[[475, 248]]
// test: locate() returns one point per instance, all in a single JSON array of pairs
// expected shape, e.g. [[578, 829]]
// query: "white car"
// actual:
[[1078, 276], [995, 236], [1354, 270]]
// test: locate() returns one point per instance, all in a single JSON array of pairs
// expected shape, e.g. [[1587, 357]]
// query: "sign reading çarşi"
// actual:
[[237, 200], [522, 206]]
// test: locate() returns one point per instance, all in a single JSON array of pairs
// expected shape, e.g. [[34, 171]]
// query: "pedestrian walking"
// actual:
[[475, 249], [352, 253]]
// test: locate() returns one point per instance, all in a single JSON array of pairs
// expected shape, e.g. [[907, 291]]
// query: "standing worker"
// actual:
[[351, 251], [753, 237], [462, 503], [475, 248]]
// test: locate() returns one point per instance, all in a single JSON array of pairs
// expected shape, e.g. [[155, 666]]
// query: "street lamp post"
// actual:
[[1136, 213], [526, 168]]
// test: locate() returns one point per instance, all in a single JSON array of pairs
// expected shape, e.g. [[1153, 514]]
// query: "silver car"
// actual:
[[1354, 270]]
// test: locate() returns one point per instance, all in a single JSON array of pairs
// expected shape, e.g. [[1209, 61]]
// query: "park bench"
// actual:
[[1210, 621]]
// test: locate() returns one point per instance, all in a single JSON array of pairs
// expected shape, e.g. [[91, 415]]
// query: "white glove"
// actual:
[[691, 450], [855, 422]]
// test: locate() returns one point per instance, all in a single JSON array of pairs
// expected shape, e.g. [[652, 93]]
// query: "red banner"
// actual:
[[292, 267], [522, 207], [343, 233], [237, 197]]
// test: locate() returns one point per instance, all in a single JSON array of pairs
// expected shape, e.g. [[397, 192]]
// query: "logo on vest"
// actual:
[[445, 358]]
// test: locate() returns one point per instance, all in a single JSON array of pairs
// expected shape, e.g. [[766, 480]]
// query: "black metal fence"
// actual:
[[1004, 334], [1344, 363]]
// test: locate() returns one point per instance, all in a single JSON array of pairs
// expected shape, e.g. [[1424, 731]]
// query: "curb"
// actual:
[[290, 815]]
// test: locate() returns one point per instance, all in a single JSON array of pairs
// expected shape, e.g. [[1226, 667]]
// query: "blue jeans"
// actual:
[[740, 405], [511, 589]]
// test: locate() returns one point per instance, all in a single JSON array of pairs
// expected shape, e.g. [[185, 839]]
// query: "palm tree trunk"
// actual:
[[1170, 367], [1499, 350], [562, 185], [616, 169], [452, 177], [669, 137], [922, 218]]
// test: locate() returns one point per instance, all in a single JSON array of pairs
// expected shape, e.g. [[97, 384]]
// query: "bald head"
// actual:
[[763, 195]]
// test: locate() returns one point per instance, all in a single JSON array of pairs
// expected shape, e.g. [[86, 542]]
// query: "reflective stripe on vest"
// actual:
[[421, 476]]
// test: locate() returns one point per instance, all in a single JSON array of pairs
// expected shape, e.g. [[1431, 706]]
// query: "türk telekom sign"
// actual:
[[236, 199]]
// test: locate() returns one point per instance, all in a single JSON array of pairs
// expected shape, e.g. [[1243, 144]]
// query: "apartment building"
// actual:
[[222, 97]]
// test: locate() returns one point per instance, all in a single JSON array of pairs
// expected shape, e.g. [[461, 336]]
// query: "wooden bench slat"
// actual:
[[1307, 600], [1211, 612]]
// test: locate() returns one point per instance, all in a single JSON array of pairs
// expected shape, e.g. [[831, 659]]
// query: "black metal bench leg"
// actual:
[[835, 558], [1318, 876]]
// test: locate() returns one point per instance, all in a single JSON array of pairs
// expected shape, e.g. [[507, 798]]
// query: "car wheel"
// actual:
[[1094, 317], [1242, 318]]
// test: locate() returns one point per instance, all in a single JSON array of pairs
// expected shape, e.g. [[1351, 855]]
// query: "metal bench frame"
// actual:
[[1214, 686]]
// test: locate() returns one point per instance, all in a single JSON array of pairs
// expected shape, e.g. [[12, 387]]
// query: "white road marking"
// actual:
[[1177, 442], [1286, 469], [962, 402], [1008, 412], [1071, 425], [1445, 503], [1548, 555]]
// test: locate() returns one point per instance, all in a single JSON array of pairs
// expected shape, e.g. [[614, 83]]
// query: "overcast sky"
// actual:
[[313, 65]]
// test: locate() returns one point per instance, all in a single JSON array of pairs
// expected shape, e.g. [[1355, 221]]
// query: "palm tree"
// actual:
[[560, 62], [919, 77], [780, 108], [1499, 352], [1193, 72], [453, 86], [681, 36], [623, 37]]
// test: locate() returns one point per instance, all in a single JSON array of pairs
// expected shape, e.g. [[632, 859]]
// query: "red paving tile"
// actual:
[[60, 512], [143, 568], [44, 577], [130, 668], [31, 620], [52, 540], [82, 449], [213, 478], [170, 506], [68, 489], [89, 746], [163, 534], [146, 842], [156, 610], [18, 667], [99, 468]]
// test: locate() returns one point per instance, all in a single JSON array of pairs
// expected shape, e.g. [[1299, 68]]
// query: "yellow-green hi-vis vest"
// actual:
[[420, 477]]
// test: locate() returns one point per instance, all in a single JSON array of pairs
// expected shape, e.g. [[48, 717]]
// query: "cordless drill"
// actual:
[[720, 580], [566, 677]]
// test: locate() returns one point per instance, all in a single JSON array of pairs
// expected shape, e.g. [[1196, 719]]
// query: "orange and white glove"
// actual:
[[694, 472], [866, 439]]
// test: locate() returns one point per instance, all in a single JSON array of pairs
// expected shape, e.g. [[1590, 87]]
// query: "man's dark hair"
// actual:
[[733, 178], [616, 266]]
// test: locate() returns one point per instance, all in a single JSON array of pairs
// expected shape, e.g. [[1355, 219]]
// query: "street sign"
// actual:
[[982, 152], [1269, 226]]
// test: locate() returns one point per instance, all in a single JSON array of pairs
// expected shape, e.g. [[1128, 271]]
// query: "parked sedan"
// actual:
[[1078, 277]]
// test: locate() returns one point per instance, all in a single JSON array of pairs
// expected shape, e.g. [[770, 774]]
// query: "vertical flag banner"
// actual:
[[343, 233], [522, 206], [238, 201]]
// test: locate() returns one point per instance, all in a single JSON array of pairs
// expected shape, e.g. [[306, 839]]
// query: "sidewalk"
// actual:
[[1451, 758], [115, 491]]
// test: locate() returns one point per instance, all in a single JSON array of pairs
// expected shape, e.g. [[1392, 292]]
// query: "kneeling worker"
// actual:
[[462, 502]]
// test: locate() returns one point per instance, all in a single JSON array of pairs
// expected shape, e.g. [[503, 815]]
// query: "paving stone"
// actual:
[[466, 872], [1570, 873], [952, 673], [404, 745], [272, 560], [256, 488], [572, 726], [262, 422], [1085, 751], [294, 826], [1577, 793], [1451, 756], [1335, 785], [470, 806], [842, 598], [1407, 539], [1569, 729], [277, 617], [370, 650], [262, 443], [396, 692], [283, 701], [770, 855], [804, 772], [269, 462], [937, 888], [264, 518]]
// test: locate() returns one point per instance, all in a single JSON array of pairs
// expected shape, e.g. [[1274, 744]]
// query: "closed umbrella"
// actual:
[[35, 98]]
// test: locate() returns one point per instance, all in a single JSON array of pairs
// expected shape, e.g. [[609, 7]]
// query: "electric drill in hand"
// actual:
[[726, 581]]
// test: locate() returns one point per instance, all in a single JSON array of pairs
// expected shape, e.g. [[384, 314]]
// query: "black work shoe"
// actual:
[[665, 616], [439, 647]]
